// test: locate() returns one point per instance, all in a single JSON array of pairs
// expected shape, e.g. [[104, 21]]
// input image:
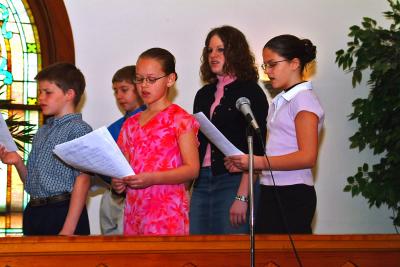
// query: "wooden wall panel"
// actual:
[[190, 251]]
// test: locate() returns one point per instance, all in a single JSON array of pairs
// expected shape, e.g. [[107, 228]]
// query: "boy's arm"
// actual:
[[78, 201], [12, 158], [21, 168]]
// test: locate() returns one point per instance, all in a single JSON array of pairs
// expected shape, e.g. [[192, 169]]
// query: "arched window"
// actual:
[[34, 34]]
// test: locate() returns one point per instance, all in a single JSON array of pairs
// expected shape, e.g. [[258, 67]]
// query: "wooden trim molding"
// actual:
[[192, 251], [54, 29]]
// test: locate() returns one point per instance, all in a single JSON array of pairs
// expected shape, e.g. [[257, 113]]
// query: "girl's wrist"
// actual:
[[242, 198]]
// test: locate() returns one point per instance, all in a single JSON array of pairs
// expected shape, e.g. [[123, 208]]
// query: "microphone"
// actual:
[[243, 105]]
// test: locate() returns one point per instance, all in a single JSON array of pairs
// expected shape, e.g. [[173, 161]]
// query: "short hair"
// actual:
[[164, 57], [65, 76], [125, 74], [290, 47], [239, 60]]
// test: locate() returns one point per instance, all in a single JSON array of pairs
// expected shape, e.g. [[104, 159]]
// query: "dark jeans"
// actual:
[[298, 206], [49, 219], [211, 201]]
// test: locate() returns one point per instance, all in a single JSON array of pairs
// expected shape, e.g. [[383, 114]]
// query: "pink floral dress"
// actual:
[[157, 209]]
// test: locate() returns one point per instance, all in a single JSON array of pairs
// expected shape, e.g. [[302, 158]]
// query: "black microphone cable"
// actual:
[[278, 200]]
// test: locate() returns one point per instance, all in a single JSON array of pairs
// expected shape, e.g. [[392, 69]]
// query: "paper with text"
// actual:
[[95, 152], [5, 136], [215, 136]]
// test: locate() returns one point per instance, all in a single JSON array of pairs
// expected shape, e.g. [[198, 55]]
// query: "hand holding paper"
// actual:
[[5, 136], [95, 152]]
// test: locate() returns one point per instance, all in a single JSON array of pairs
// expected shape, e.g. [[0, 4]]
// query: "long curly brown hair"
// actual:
[[239, 60]]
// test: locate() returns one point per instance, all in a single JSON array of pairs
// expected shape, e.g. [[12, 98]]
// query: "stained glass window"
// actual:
[[20, 60]]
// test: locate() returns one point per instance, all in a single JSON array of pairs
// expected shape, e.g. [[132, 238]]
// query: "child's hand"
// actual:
[[7, 157], [237, 163], [66, 232], [141, 180], [118, 185], [237, 213]]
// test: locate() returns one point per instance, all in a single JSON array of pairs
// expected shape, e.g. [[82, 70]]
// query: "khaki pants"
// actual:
[[112, 214]]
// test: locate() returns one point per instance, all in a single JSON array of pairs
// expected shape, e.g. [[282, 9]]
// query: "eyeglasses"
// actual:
[[149, 80], [271, 64]]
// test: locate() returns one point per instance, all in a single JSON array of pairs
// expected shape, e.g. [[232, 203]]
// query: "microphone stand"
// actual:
[[250, 133]]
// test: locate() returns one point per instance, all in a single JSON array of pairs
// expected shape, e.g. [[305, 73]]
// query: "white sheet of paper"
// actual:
[[95, 152], [215, 136], [5, 136]]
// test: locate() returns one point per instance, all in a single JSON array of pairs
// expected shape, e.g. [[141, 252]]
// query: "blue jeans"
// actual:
[[211, 201]]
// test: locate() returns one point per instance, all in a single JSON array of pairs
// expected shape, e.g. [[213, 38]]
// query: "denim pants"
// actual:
[[211, 201]]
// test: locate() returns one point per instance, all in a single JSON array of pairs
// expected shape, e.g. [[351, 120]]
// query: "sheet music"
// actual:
[[95, 152], [215, 136], [5, 136]]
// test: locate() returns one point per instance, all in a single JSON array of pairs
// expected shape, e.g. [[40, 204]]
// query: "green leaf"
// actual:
[[357, 76], [347, 188], [365, 167], [339, 53], [355, 191], [21, 131], [354, 28]]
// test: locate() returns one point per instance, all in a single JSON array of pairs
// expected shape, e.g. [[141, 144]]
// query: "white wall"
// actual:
[[111, 34]]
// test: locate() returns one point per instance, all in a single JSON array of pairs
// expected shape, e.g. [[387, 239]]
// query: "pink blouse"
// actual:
[[219, 93]]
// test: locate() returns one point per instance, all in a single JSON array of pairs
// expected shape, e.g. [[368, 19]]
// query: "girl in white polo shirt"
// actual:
[[294, 121]]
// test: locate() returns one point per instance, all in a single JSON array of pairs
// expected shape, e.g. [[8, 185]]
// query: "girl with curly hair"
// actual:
[[219, 202]]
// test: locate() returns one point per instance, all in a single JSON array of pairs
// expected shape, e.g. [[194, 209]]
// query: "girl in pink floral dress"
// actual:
[[161, 144]]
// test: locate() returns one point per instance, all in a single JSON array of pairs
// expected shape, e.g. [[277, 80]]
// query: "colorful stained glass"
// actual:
[[20, 60]]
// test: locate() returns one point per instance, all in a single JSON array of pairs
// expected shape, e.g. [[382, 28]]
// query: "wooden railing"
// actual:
[[191, 251]]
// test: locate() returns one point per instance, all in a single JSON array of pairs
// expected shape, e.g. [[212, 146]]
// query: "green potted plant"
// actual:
[[376, 49]]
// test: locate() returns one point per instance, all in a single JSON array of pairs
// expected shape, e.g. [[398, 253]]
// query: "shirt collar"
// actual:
[[289, 95], [225, 79], [65, 118]]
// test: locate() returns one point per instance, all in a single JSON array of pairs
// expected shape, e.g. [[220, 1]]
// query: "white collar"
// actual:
[[293, 92]]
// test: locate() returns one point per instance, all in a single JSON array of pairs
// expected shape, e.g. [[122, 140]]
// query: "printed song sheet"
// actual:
[[95, 152], [215, 136], [5, 136]]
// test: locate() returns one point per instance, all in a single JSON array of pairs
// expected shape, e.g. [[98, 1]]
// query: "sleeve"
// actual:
[[123, 140], [184, 123], [195, 108], [306, 101], [115, 128], [79, 130], [196, 102]]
